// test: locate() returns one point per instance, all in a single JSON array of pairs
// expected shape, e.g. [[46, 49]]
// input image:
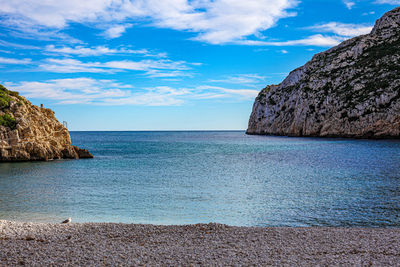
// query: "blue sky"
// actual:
[[165, 65]]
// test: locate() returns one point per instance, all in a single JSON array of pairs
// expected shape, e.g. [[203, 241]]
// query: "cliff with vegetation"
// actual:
[[351, 90], [28, 132]]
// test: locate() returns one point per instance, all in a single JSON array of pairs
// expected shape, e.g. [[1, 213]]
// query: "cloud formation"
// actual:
[[98, 51], [5, 60], [109, 92], [390, 2], [343, 29], [212, 21], [152, 68], [244, 79], [116, 31], [78, 90], [313, 40], [349, 4]]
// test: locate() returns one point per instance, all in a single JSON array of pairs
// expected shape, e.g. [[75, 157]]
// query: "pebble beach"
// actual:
[[112, 244]]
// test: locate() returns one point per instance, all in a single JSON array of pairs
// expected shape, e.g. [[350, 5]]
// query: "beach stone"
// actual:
[[112, 244]]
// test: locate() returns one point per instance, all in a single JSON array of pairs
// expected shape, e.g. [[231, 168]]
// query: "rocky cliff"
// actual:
[[351, 90], [28, 132]]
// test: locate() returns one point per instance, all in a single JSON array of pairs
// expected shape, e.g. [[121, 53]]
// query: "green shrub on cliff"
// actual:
[[8, 121], [5, 98]]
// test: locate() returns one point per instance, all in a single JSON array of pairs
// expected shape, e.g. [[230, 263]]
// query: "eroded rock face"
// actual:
[[351, 90], [32, 133]]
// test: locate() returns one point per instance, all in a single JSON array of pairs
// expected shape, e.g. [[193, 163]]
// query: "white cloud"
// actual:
[[283, 51], [109, 92], [390, 2], [342, 32], [368, 13], [28, 30], [153, 68], [245, 93], [166, 74], [116, 31], [213, 21], [53, 13], [5, 60], [343, 29], [82, 90], [99, 51], [19, 46], [349, 4], [224, 21], [72, 66], [245, 79], [157, 96], [6, 51], [314, 40]]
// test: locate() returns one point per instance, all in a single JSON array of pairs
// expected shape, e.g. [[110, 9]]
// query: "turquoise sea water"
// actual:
[[225, 177]]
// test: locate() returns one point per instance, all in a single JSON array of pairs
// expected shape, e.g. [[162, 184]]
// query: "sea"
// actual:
[[188, 177]]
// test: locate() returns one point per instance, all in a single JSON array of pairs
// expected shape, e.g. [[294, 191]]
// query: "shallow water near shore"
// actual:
[[201, 177]]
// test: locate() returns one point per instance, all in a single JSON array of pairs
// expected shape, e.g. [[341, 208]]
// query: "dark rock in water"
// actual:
[[82, 153], [29, 132], [351, 90]]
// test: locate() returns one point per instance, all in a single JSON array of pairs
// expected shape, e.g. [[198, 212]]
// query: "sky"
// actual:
[[165, 64]]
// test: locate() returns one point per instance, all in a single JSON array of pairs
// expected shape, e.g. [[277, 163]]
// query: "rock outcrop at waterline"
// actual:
[[28, 132], [351, 90]]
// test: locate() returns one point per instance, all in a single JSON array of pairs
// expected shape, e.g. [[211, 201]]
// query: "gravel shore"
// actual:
[[111, 244]]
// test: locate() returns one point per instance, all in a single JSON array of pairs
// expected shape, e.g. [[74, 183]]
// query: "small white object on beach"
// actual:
[[67, 220]]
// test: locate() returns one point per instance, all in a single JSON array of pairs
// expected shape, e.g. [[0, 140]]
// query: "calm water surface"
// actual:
[[225, 177]]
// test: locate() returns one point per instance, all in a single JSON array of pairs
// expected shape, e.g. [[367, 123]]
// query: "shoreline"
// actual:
[[93, 244]]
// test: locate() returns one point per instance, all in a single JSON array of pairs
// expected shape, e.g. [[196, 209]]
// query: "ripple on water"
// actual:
[[225, 177]]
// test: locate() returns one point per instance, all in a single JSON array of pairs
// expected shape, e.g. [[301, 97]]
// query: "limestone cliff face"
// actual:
[[28, 132], [351, 90]]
